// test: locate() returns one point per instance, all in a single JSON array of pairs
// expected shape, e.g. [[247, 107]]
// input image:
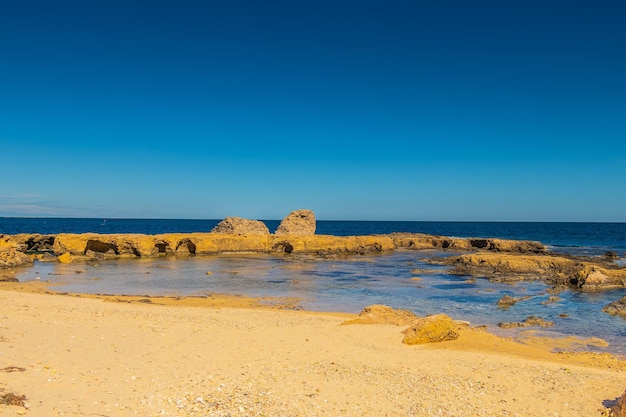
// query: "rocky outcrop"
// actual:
[[556, 270], [175, 244], [616, 308], [240, 226], [430, 329], [381, 314], [420, 241], [297, 223], [499, 265], [619, 408], [11, 258]]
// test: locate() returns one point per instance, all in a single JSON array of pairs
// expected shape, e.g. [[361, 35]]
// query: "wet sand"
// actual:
[[236, 356]]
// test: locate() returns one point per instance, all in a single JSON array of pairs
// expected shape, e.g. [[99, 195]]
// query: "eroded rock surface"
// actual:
[[556, 270], [421, 241], [11, 258], [431, 329], [297, 223], [240, 226]]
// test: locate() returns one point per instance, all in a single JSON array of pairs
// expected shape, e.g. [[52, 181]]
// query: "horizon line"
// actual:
[[321, 220]]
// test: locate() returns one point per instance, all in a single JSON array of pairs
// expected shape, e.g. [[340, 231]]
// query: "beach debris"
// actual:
[[619, 408], [528, 322], [382, 314], [12, 369], [508, 301], [11, 398], [616, 308], [431, 329], [241, 226], [297, 223]]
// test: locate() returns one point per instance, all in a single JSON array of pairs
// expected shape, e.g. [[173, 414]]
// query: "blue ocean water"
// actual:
[[351, 283]]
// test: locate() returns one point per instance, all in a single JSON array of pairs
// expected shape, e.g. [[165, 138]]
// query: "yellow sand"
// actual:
[[166, 357]]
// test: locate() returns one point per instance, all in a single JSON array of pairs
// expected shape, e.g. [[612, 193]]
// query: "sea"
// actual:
[[349, 284]]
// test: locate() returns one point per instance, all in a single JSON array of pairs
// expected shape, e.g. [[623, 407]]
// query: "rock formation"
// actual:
[[240, 226], [435, 328], [11, 258], [381, 314], [421, 241], [619, 409], [616, 307], [557, 270], [297, 223]]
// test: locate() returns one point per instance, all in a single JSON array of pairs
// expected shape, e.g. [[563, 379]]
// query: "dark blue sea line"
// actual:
[[595, 236]]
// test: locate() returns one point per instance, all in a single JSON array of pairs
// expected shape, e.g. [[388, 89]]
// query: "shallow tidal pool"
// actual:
[[401, 280]]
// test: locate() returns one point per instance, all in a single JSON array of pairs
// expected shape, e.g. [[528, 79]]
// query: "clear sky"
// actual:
[[387, 110]]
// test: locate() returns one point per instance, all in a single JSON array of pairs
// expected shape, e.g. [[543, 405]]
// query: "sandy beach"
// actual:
[[83, 356]]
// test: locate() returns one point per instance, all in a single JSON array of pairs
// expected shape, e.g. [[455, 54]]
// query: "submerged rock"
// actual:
[[240, 226], [528, 322], [382, 314], [297, 223], [616, 308], [508, 301], [552, 299], [431, 329]]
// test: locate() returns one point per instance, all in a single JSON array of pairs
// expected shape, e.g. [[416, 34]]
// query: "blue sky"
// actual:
[[396, 110]]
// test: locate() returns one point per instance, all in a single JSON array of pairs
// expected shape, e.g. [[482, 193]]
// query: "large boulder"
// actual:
[[298, 223], [430, 329], [240, 226], [616, 307], [10, 258], [619, 409], [381, 314]]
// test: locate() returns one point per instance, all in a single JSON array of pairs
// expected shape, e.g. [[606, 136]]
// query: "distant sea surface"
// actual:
[[578, 238]]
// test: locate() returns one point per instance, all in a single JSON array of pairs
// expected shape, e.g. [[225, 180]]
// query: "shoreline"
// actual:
[[140, 358], [532, 342]]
